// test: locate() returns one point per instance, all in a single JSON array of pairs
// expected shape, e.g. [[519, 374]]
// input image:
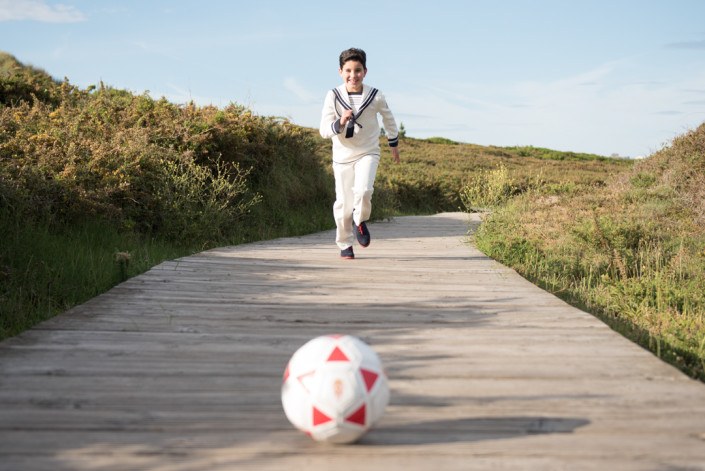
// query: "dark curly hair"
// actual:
[[353, 54]]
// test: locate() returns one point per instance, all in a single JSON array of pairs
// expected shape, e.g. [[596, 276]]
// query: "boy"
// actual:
[[349, 118]]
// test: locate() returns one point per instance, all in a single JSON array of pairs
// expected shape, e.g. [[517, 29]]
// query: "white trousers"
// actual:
[[353, 196]]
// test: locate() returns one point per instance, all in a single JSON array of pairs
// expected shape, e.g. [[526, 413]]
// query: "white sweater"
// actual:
[[365, 139]]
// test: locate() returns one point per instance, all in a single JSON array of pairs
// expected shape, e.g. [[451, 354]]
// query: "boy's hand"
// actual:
[[395, 154], [345, 117]]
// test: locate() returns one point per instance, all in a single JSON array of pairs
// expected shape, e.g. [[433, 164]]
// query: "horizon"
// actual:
[[621, 77]]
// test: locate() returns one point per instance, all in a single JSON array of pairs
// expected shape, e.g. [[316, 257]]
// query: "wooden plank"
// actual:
[[180, 368]]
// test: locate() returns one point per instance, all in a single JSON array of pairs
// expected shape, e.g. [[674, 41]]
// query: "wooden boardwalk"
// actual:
[[180, 368]]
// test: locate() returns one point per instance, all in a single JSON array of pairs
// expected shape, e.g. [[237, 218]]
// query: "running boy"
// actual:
[[349, 118]]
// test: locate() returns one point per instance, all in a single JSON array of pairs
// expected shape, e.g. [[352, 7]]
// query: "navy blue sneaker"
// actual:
[[347, 253], [362, 233]]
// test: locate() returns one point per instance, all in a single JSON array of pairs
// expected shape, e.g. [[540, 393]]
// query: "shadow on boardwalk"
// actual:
[[470, 430]]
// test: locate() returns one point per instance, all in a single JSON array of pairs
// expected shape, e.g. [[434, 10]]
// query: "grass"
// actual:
[[46, 270]]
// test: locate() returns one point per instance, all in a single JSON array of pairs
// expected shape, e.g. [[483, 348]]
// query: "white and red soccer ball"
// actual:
[[335, 388]]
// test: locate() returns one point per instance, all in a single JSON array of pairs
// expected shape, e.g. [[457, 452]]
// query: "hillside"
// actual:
[[434, 171]]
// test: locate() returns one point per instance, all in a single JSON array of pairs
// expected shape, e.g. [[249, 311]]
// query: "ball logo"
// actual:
[[338, 388]]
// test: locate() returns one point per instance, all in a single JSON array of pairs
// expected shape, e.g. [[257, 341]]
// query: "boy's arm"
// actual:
[[390, 127], [330, 123], [395, 154]]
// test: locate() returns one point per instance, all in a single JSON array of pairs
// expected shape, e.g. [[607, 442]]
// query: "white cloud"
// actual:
[[604, 110], [299, 91], [39, 10]]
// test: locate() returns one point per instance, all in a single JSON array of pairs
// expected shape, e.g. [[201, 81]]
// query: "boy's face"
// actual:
[[352, 73]]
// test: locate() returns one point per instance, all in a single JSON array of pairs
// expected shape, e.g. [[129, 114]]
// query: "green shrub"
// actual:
[[440, 140], [155, 167], [20, 83], [488, 190], [550, 154], [200, 204]]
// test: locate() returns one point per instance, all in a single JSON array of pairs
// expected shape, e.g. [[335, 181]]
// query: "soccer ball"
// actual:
[[334, 388]]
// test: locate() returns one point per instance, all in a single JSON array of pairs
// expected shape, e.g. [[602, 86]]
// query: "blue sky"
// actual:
[[617, 76]]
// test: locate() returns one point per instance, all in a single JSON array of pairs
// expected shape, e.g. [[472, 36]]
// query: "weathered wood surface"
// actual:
[[180, 368]]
